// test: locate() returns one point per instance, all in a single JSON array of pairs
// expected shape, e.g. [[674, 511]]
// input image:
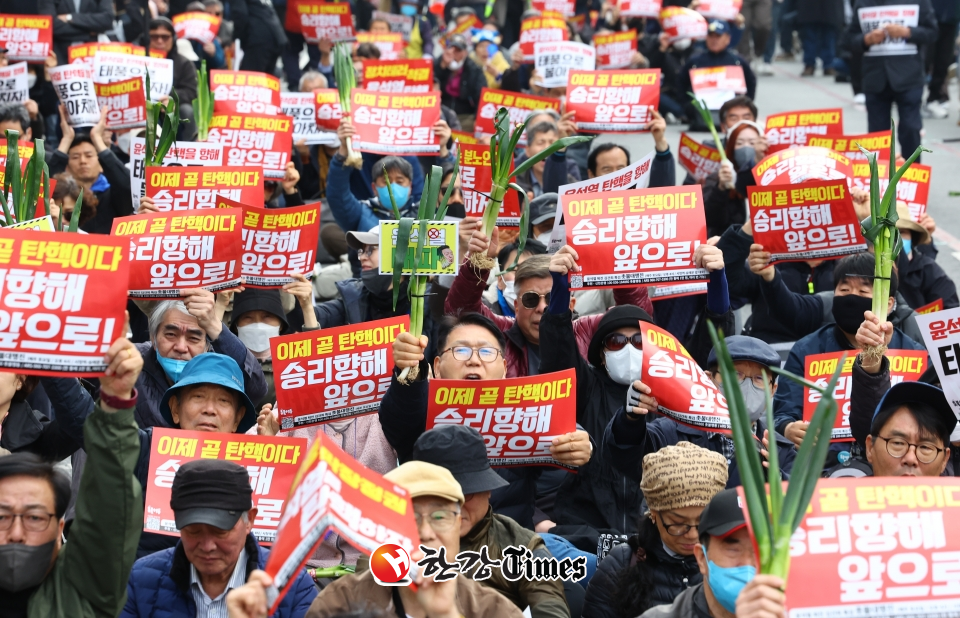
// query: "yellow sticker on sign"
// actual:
[[40, 224], [440, 249]]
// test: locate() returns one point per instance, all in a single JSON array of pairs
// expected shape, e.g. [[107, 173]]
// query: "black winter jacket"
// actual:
[[726, 58], [27, 431], [116, 201], [356, 304], [923, 281], [472, 81]]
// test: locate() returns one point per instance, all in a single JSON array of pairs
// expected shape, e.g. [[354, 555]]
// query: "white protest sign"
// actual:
[[555, 60], [877, 17], [74, 86], [181, 153], [13, 83], [109, 67], [302, 107], [941, 336]]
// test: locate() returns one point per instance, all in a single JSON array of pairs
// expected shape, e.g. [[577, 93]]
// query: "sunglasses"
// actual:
[[531, 300], [617, 341], [160, 37]]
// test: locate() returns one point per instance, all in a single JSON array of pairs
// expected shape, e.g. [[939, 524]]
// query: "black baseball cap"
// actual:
[[210, 491], [723, 515], [459, 449], [457, 40], [906, 393], [543, 207]]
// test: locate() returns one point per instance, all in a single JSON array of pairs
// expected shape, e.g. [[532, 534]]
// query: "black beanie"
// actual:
[[618, 317], [255, 299]]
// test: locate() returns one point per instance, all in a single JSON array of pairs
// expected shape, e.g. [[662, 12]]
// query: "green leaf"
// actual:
[[512, 147], [893, 150], [393, 200], [13, 177], [400, 255], [75, 218], [546, 152], [799, 379], [701, 107], [46, 188], [442, 210], [524, 224], [433, 193], [773, 458], [6, 209], [171, 124]]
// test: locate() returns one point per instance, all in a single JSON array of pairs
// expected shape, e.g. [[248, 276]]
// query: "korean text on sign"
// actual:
[[277, 243], [810, 221], [941, 335], [796, 128], [699, 160], [271, 461], [14, 87], [616, 101], [476, 177], [254, 140], [172, 253], [440, 251], [550, 28], [905, 365], [640, 8], [302, 107], [682, 23], [74, 86], [26, 37], [517, 417], [555, 60], [913, 188], [325, 20], [83, 53], [180, 154], [848, 145], [397, 124], [626, 238], [333, 374], [615, 50], [390, 44], [125, 102], [518, 107], [191, 188], [564, 7], [398, 75], [720, 9], [62, 300], [877, 17], [109, 67], [714, 86], [244, 92], [327, 101], [197, 26], [800, 164]]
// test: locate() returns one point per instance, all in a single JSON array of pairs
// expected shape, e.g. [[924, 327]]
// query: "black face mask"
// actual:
[[376, 284], [744, 157], [848, 311]]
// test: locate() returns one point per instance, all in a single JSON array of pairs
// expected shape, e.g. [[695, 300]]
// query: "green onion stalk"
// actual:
[[21, 191], [333, 572], [203, 104], [708, 120], [346, 81], [881, 229], [774, 522], [155, 150], [502, 146]]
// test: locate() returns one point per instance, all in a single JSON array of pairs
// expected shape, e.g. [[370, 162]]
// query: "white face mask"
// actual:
[[257, 336], [31, 80], [123, 142], [509, 294], [623, 366], [341, 426], [545, 238], [682, 44], [455, 65]]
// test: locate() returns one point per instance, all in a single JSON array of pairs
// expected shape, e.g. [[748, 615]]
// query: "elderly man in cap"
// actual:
[[461, 450], [461, 80], [213, 509], [633, 433]]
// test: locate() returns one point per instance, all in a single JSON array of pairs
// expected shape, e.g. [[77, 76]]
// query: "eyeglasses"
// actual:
[[33, 521], [617, 341], [160, 37], [758, 381], [486, 354], [531, 300], [679, 529], [440, 521], [366, 251], [898, 447]]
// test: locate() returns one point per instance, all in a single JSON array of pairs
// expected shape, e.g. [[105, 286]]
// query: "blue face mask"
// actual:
[[727, 582], [171, 366], [400, 193], [907, 245], [408, 9]]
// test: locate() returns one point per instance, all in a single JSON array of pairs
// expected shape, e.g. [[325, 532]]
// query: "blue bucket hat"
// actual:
[[216, 369], [743, 348]]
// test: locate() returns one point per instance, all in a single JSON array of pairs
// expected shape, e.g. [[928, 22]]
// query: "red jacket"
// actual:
[[466, 294]]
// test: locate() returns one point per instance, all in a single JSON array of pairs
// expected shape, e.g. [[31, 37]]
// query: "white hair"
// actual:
[[313, 75]]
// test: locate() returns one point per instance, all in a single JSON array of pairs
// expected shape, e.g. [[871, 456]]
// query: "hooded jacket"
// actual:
[[357, 304], [25, 430]]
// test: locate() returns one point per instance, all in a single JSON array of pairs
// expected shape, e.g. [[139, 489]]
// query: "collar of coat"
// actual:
[[21, 427], [180, 569]]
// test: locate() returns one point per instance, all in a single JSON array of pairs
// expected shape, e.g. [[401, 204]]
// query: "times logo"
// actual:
[[390, 565]]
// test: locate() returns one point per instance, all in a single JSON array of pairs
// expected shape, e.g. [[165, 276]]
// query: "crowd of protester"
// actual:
[[652, 506]]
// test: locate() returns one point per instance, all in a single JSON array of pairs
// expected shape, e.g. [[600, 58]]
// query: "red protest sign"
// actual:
[[398, 75], [333, 491], [720, 9], [517, 417], [197, 26], [793, 128], [615, 50], [323, 20], [171, 253], [613, 101], [877, 142], [254, 140], [395, 124], [876, 546], [684, 391], [800, 164], [84, 52], [463, 138], [62, 305], [933, 307], [24, 151], [640, 8], [810, 221], [682, 23], [26, 37], [328, 108], [518, 106], [698, 159], [627, 238], [390, 44], [277, 243], [244, 92], [546, 28], [339, 373], [476, 176], [565, 8], [191, 188], [661, 292], [125, 102], [905, 365], [271, 461], [714, 86]]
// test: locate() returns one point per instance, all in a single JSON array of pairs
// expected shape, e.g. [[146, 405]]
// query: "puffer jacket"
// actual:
[[159, 586], [356, 305]]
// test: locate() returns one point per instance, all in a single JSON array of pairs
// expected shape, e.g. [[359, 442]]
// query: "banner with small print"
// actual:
[[905, 365], [125, 102], [717, 85], [74, 86], [796, 128], [254, 140], [440, 252], [84, 52], [395, 124], [109, 67], [549, 28], [325, 20], [302, 107], [720, 9], [26, 37], [661, 292], [517, 417], [801, 164], [193, 188], [463, 138], [271, 461], [327, 102], [567, 8], [63, 302], [335, 373], [518, 106], [881, 547], [197, 26], [555, 61], [244, 92], [277, 243], [398, 75], [476, 178], [682, 23], [613, 101], [877, 142], [811, 221], [878, 17], [684, 391], [936, 305], [640, 8], [180, 154], [170, 253], [333, 491], [615, 50], [699, 160], [628, 238], [941, 336], [913, 188], [390, 44], [13, 83]]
